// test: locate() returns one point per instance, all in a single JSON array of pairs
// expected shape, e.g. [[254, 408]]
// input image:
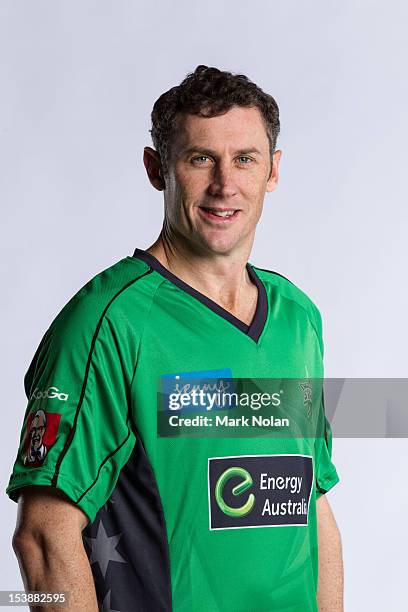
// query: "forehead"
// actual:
[[37, 421], [240, 126]]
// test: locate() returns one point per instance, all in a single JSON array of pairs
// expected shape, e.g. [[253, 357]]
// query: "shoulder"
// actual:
[[289, 291], [107, 293], [110, 307]]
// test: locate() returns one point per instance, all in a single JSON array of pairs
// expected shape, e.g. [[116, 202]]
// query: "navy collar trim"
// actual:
[[254, 330]]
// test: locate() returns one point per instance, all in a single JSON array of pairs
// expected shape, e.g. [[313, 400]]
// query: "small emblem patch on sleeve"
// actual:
[[42, 428]]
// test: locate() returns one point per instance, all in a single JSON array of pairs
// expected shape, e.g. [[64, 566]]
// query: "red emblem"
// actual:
[[41, 434]]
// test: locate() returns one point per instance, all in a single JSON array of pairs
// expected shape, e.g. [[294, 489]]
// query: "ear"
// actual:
[[274, 175], [152, 163]]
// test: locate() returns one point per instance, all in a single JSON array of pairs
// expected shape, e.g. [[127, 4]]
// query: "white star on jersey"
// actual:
[[103, 549]]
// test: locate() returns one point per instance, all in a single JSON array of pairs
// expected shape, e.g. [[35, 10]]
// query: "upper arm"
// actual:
[[322, 507], [76, 433], [325, 518]]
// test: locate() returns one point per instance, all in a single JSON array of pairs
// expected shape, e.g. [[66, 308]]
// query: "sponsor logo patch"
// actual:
[[50, 393], [196, 391], [41, 434], [259, 490]]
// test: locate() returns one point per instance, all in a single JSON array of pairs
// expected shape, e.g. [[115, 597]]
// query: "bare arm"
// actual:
[[330, 583], [49, 548]]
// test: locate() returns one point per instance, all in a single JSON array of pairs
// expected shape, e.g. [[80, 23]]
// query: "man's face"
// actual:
[[37, 430], [219, 166]]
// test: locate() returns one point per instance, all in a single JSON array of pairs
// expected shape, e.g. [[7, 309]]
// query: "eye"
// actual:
[[200, 159], [244, 159]]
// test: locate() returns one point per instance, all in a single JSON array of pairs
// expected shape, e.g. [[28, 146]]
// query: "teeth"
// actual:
[[221, 213]]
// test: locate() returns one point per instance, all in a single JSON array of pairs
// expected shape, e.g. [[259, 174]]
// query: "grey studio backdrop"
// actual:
[[78, 80]]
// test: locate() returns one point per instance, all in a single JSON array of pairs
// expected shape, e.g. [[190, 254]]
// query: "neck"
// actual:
[[223, 278]]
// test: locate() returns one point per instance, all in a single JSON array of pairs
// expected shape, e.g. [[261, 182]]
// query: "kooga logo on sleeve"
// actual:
[[50, 393], [259, 490]]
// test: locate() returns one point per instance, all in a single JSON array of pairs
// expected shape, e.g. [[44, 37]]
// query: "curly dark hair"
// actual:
[[209, 92]]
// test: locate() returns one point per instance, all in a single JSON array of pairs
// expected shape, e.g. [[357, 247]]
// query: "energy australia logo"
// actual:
[[259, 491], [244, 484]]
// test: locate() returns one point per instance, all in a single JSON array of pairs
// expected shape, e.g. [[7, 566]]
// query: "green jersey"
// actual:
[[217, 522]]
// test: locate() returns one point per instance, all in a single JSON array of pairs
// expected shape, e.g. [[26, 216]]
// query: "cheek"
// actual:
[[185, 187], [255, 194], [192, 182], [253, 183]]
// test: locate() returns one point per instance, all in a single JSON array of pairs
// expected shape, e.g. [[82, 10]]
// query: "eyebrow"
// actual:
[[212, 153]]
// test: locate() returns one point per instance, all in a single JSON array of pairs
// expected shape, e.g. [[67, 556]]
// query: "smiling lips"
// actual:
[[219, 214]]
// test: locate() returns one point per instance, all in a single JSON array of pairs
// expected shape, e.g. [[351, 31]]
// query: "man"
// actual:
[[132, 509], [37, 450]]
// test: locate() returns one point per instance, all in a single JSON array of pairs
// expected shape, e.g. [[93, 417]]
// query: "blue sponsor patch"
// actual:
[[198, 391]]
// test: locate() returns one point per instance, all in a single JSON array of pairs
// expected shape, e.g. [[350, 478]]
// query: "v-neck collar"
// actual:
[[254, 330]]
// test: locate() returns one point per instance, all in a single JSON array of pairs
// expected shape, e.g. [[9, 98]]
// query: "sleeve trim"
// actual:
[[44, 478], [323, 485]]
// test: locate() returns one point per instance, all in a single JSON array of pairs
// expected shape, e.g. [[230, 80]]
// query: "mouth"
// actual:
[[219, 215]]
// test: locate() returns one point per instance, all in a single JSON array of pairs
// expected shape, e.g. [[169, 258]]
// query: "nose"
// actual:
[[222, 181]]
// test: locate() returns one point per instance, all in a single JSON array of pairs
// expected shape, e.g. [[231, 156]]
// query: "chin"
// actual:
[[221, 247]]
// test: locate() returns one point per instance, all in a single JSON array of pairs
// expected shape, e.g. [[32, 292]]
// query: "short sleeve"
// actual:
[[76, 434], [326, 475]]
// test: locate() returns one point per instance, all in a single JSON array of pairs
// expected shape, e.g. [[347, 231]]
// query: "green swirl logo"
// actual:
[[240, 488]]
